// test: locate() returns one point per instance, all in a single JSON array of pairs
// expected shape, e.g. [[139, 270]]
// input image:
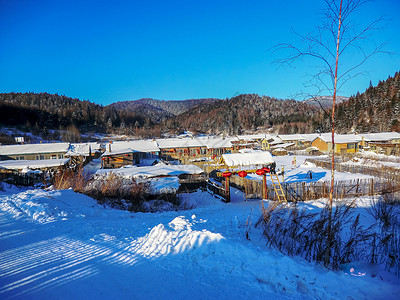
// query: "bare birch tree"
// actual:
[[328, 46]]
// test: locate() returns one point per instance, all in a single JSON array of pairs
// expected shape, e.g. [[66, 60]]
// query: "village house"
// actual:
[[382, 142], [83, 152], [297, 140], [344, 143], [140, 152], [34, 151], [194, 147]]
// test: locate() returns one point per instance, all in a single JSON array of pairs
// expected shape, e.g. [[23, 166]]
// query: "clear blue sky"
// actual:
[[107, 51]]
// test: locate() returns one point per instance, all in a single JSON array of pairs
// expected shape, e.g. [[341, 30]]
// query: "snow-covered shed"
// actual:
[[248, 159]]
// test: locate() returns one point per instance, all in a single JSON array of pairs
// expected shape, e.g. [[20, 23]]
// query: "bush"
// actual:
[[118, 192], [386, 242], [303, 233]]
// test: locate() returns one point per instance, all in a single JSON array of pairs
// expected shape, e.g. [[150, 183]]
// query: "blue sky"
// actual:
[[107, 51]]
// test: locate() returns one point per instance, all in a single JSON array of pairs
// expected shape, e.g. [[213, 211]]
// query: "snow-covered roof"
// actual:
[[131, 146], [285, 145], [83, 149], [32, 164], [180, 143], [216, 142], [340, 138], [247, 159], [153, 171], [381, 136], [253, 137], [34, 149], [309, 137], [292, 137]]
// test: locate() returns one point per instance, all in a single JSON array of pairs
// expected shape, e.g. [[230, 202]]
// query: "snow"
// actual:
[[63, 245], [248, 158], [381, 136], [34, 148], [83, 149], [146, 146], [341, 138], [32, 164], [152, 171]]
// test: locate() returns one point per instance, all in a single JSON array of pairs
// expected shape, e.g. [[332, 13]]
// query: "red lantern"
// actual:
[[226, 174], [242, 174], [260, 172], [266, 170]]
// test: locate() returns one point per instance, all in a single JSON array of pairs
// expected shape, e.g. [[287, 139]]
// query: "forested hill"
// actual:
[[375, 110], [247, 112], [44, 111], [159, 110]]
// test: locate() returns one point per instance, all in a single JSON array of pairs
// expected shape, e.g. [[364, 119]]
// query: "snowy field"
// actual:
[[63, 245]]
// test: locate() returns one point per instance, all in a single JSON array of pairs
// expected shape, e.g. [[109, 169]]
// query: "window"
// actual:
[[351, 146]]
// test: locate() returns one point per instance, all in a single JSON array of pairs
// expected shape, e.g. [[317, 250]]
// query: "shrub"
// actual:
[[299, 232], [119, 192], [386, 242]]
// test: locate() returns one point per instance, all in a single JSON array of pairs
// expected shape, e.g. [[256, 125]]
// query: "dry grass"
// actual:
[[117, 192], [299, 232], [386, 241]]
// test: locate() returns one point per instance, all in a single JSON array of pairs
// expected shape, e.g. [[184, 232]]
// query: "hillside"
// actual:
[[246, 112], [43, 112], [159, 110], [375, 110], [325, 101]]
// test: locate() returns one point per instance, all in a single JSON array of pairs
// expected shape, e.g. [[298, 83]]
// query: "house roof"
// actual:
[[381, 136], [34, 149], [248, 158], [340, 138], [292, 137], [83, 149], [32, 164], [130, 147], [209, 142], [152, 171]]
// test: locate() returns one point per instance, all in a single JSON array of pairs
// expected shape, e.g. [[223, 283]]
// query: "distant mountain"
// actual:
[[246, 112], [325, 101], [42, 113], [159, 110]]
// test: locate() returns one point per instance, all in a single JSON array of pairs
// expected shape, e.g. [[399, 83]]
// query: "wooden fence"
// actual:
[[303, 191], [390, 174], [219, 190], [387, 180]]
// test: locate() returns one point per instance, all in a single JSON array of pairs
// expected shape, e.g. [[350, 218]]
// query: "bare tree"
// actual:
[[328, 46]]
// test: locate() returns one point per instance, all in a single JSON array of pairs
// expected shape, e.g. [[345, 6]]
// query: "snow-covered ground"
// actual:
[[63, 245]]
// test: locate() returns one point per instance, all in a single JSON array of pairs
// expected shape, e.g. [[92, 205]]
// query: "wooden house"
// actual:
[[382, 142], [118, 154], [40, 151], [297, 139], [344, 143], [83, 152]]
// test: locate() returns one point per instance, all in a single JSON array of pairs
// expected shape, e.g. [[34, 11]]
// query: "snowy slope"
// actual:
[[63, 245]]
